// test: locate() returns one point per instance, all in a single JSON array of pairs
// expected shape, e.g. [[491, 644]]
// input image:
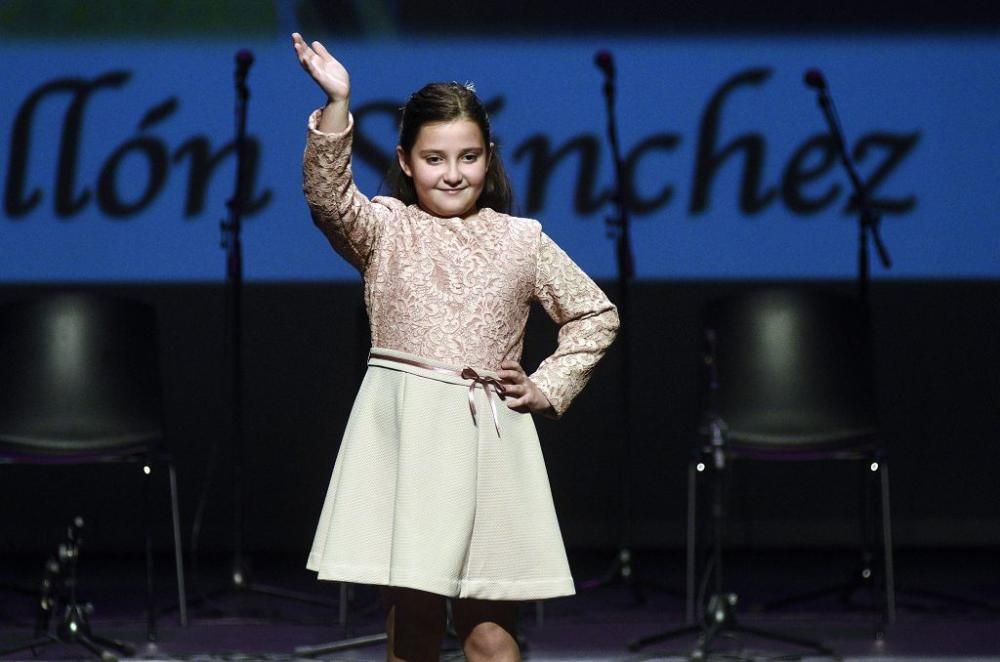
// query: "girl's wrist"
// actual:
[[334, 118]]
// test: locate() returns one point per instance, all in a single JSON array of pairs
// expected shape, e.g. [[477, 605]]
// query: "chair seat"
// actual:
[[61, 449], [832, 443]]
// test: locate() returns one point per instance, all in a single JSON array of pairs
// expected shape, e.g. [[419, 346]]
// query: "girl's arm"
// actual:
[[350, 221], [588, 323]]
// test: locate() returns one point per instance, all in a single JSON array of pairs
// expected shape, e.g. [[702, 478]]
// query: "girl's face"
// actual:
[[448, 165]]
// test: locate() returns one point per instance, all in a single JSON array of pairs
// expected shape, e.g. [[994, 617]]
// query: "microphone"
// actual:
[[605, 62], [244, 59], [814, 78]]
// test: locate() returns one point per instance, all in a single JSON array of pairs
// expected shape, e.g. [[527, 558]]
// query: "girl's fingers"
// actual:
[[301, 47], [306, 62], [515, 399], [302, 50], [321, 50], [509, 375], [518, 393], [306, 52], [511, 371]]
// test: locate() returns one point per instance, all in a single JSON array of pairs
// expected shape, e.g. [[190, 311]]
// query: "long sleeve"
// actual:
[[588, 323], [351, 222]]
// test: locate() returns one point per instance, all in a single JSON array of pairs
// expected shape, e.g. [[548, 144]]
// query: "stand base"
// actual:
[[865, 582], [861, 579], [76, 630], [720, 616], [241, 584]]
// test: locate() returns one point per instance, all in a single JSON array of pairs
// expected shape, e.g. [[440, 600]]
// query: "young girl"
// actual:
[[439, 490]]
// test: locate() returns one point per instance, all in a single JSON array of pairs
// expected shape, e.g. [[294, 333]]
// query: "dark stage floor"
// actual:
[[962, 623]]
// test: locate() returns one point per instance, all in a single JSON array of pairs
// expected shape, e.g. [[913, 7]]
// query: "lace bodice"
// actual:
[[454, 290]]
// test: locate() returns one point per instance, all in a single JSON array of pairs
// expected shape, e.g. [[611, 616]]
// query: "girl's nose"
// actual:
[[453, 175]]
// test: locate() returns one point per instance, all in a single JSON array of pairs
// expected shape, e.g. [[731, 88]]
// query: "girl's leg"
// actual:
[[487, 630], [415, 625]]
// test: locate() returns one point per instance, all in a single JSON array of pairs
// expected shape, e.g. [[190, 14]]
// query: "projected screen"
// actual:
[[118, 168]]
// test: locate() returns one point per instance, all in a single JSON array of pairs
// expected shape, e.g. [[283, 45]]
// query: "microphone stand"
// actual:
[[240, 577], [231, 242], [868, 218], [618, 225], [868, 229], [868, 226]]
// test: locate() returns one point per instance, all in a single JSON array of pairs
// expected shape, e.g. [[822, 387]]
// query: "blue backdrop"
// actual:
[[116, 168]]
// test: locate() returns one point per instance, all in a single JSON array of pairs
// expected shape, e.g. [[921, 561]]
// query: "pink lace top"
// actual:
[[458, 291]]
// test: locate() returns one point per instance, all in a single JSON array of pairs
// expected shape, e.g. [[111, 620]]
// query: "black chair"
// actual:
[[791, 379], [81, 385]]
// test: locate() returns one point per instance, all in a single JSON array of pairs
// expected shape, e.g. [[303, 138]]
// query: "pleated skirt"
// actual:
[[425, 495]]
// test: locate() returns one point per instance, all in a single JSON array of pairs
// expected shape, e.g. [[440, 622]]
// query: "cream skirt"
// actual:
[[427, 496]]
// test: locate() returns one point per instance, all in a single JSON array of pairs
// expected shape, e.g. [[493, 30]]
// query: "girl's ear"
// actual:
[[490, 153], [404, 161]]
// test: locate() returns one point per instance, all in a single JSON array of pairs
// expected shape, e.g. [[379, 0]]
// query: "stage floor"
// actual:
[[948, 609]]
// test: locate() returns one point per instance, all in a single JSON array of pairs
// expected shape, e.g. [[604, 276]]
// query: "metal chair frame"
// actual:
[[853, 439]]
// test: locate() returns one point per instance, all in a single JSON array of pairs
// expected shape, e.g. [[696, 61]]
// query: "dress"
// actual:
[[424, 495]]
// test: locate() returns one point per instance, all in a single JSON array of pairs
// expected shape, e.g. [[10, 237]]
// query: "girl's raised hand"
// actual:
[[328, 73]]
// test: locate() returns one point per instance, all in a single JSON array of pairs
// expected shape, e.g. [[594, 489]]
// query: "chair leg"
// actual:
[[178, 548], [867, 521], [689, 615], [147, 530], [887, 553]]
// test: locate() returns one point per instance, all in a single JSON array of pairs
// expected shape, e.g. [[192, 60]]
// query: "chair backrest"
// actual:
[[793, 370], [80, 379]]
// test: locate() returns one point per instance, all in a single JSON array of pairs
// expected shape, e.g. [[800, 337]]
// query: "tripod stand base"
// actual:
[[720, 616], [240, 583], [101, 647], [643, 642]]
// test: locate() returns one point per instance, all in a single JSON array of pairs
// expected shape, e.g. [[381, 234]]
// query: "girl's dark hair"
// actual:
[[447, 102]]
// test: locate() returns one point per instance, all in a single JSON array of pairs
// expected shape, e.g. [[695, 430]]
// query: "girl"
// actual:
[[439, 490]]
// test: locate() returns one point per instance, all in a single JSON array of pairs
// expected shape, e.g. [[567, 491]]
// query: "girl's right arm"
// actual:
[[350, 221]]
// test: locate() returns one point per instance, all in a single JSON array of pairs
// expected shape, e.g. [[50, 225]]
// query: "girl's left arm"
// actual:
[[588, 323]]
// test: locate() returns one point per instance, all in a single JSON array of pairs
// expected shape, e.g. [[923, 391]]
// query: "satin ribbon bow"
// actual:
[[487, 382]]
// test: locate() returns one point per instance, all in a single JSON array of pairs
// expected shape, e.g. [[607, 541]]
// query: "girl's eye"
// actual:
[[434, 160], [471, 158]]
